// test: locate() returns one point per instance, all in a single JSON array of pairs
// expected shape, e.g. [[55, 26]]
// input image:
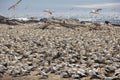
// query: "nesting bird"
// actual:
[[48, 11], [14, 5], [95, 11]]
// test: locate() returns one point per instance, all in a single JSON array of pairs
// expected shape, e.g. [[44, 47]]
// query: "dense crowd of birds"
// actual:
[[84, 52]]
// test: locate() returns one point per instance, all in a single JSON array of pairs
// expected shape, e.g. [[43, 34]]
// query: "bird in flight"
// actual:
[[95, 11], [71, 8], [14, 5], [48, 11]]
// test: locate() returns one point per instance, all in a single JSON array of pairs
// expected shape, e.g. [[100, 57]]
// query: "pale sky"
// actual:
[[60, 7]]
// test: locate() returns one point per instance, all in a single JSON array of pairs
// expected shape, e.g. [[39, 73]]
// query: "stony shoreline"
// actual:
[[59, 49]]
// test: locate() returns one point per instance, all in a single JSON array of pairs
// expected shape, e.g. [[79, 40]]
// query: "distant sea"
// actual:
[[111, 21], [114, 19], [101, 20]]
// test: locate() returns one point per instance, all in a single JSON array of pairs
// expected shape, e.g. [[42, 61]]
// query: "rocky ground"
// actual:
[[59, 49]]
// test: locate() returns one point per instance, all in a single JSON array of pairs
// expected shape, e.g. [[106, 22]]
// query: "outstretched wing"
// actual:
[[14, 5], [48, 11], [18, 1], [98, 10]]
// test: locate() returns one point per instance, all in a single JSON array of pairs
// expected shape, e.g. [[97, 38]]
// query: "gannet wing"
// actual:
[[14, 5]]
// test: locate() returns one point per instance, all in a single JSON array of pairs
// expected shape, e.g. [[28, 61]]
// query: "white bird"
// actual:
[[14, 5], [48, 11], [95, 11]]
